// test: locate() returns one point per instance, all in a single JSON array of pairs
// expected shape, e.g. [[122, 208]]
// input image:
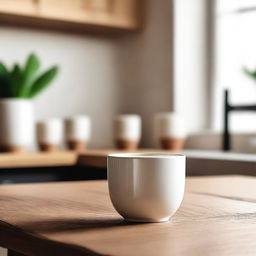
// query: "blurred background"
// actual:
[[104, 70], [173, 56], [142, 57]]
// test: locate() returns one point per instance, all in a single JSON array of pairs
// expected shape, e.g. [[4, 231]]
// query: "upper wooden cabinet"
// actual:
[[73, 14]]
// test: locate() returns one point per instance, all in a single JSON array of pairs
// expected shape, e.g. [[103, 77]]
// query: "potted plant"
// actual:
[[250, 73], [18, 86]]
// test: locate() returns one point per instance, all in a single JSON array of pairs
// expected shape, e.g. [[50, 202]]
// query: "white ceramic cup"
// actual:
[[146, 187], [78, 131], [50, 133], [127, 131], [169, 130]]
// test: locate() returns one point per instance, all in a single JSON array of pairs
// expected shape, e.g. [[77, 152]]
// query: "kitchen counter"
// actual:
[[217, 217], [92, 163]]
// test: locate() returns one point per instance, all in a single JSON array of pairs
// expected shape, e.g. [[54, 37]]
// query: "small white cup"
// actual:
[[127, 131], [50, 134], [78, 131], [170, 130], [146, 187]]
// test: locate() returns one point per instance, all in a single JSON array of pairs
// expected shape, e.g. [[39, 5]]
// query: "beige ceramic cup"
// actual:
[[50, 134], [170, 130], [127, 131], [78, 132]]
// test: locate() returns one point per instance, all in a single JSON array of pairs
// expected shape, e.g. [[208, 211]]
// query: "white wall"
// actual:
[[88, 80], [191, 62], [145, 65]]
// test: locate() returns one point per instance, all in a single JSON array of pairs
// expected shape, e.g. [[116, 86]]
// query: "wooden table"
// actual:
[[217, 217]]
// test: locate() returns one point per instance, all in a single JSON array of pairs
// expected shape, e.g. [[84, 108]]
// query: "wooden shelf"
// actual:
[[73, 15], [92, 158], [19, 160]]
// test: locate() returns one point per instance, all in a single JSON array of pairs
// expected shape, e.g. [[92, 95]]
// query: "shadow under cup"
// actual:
[[146, 187]]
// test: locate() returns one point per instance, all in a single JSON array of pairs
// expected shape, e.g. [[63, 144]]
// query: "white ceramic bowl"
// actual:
[[146, 187]]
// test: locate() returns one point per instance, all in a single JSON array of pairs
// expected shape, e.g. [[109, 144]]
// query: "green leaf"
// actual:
[[4, 81], [15, 80], [250, 73], [29, 73], [3, 70], [42, 81], [23, 82]]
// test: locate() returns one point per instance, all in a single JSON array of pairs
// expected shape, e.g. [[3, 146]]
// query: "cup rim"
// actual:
[[145, 155]]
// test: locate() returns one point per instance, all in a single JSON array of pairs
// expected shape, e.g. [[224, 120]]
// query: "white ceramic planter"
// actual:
[[16, 124]]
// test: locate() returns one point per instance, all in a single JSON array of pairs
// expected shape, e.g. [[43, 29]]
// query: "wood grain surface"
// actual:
[[217, 217]]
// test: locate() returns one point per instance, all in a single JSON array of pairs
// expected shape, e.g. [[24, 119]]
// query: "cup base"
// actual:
[[45, 147], [172, 143], [76, 145], [126, 144], [147, 221]]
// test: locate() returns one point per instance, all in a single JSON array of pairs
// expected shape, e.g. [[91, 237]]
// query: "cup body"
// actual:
[[170, 130], [50, 134], [127, 131], [78, 131], [144, 187]]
